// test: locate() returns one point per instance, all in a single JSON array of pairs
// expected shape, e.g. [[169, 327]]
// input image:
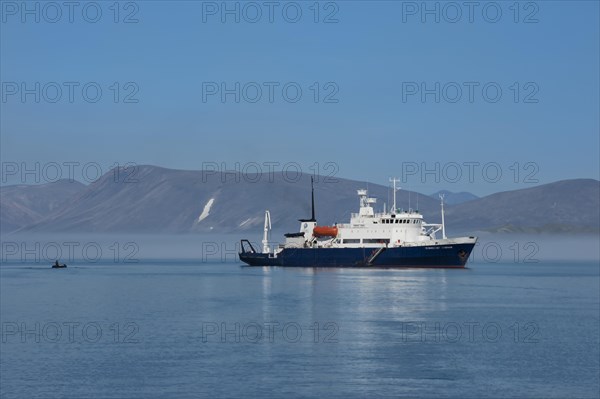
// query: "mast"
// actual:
[[312, 198], [312, 203], [443, 222], [394, 181]]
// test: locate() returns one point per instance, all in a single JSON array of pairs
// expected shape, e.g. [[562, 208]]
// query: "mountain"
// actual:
[[451, 198], [180, 201], [563, 206], [22, 205]]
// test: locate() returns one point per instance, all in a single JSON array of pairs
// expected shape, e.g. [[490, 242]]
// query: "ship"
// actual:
[[396, 238]]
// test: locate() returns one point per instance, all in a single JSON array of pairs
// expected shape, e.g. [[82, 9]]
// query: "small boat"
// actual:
[[57, 265]]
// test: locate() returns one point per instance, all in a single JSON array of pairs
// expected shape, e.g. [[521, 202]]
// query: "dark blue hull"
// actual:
[[433, 256]]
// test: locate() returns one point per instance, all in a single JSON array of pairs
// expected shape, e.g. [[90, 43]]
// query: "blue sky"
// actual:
[[367, 62]]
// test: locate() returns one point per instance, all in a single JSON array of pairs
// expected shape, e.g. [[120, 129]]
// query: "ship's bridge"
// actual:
[[404, 218]]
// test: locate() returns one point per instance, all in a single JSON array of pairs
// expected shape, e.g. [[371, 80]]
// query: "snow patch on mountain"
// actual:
[[206, 210]]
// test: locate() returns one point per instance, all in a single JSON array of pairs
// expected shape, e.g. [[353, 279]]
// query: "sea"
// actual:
[[128, 326]]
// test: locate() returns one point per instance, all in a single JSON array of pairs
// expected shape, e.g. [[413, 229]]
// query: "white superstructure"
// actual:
[[369, 229]]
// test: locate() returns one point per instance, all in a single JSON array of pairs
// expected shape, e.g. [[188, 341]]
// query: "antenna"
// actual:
[[443, 222], [417, 194]]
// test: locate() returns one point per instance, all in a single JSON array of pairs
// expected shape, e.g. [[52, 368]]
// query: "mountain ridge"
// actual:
[[162, 200]]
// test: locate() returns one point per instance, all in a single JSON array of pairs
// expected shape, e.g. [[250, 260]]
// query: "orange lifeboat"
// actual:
[[325, 231]]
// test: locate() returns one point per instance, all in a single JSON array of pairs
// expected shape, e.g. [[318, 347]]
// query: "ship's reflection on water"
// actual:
[[363, 303], [403, 289]]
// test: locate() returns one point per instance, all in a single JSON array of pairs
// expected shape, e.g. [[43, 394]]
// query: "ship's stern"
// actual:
[[249, 256]]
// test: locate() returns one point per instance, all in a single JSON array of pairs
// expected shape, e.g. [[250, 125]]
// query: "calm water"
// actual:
[[155, 329]]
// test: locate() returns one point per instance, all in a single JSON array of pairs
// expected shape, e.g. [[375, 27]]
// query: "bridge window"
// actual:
[[351, 241]]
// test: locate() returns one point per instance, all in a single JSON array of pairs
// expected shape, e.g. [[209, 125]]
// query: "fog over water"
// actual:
[[223, 248]]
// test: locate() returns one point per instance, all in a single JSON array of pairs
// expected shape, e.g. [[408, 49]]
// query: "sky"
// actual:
[[480, 97]]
